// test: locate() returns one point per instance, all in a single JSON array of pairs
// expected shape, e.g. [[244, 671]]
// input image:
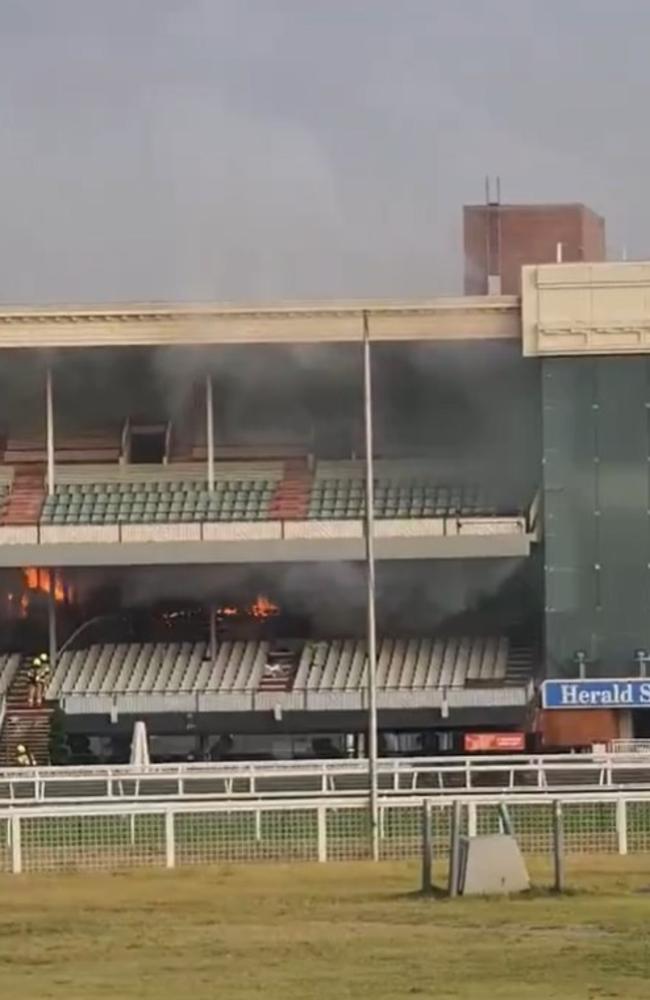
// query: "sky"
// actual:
[[267, 150]]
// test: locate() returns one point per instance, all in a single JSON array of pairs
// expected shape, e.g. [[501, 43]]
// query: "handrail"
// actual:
[[357, 801], [126, 433], [168, 438], [268, 781]]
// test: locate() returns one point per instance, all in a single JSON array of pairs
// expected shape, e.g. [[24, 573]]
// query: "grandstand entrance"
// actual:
[[148, 444]]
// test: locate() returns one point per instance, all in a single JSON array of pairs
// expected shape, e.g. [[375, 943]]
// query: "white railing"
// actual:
[[114, 835], [296, 700], [629, 746], [231, 782], [318, 530]]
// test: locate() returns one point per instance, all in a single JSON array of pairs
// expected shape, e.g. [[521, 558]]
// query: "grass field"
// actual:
[[322, 931]]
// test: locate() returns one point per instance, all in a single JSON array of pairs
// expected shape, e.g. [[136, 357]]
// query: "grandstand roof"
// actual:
[[154, 325]]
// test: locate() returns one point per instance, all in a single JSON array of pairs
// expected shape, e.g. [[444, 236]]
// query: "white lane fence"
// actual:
[[564, 773], [126, 835]]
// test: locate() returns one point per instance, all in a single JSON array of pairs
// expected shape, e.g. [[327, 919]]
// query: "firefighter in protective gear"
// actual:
[[39, 673], [23, 757]]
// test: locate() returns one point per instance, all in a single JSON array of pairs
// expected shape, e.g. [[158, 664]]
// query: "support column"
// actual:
[[213, 636], [370, 578], [209, 420], [49, 417], [51, 621]]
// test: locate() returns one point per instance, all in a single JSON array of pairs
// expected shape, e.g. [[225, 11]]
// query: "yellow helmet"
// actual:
[[21, 748]]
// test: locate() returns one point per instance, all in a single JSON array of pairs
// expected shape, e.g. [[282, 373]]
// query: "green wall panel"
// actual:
[[596, 445]]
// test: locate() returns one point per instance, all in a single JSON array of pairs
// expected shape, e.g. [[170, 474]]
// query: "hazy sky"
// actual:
[[273, 149]]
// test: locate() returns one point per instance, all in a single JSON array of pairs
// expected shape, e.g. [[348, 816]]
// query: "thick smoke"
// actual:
[[468, 411], [329, 599]]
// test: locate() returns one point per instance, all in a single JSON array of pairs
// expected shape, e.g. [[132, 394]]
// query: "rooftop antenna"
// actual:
[[489, 200], [493, 237]]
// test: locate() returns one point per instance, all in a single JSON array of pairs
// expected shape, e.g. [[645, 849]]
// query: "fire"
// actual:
[[262, 607], [45, 582]]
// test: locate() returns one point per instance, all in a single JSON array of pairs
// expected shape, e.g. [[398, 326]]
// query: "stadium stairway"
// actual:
[[278, 677], [290, 502], [519, 669], [25, 501], [22, 724]]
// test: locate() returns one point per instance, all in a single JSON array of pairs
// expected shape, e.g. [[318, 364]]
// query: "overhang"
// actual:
[[466, 318]]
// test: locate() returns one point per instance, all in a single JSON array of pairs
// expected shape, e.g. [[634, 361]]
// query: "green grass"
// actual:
[[322, 932]]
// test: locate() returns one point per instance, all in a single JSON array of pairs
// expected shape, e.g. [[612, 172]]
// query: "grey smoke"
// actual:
[[412, 598]]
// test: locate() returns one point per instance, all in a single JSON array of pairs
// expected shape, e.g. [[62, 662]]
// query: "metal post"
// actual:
[[321, 828], [209, 421], [370, 576], [621, 825], [427, 849], [213, 636], [505, 822], [454, 848], [49, 418], [558, 846], [51, 620], [471, 819], [170, 840], [16, 846]]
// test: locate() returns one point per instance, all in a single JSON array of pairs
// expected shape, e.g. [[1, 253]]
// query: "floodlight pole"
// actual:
[[49, 418], [51, 620], [370, 577], [209, 420], [213, 635]]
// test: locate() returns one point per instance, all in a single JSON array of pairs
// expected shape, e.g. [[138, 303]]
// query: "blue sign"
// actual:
[[620, 693]]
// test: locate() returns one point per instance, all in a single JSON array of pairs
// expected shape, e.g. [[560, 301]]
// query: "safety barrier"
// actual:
[[436, 776], [114, 835]]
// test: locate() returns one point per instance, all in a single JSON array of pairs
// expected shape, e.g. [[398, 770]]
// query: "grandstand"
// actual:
[[150, 472], [211, 455]]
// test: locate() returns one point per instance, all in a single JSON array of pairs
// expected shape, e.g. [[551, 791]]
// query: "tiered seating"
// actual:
[[5, 488], [91, 446], [401, 490], [24, 502], [403, 664], [159, 668], [198, 452], [336, 665], [243, 492], [9, 663]]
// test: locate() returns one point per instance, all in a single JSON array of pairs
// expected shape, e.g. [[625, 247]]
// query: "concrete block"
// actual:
[[491, 866]]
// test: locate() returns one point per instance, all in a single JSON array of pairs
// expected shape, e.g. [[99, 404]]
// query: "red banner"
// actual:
[[504, 742]]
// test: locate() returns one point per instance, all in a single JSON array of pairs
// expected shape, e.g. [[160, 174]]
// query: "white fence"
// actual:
[[517, 775], [113, 835]]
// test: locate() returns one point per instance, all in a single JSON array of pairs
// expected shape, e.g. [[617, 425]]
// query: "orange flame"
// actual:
[[262, 607], [46, 582]]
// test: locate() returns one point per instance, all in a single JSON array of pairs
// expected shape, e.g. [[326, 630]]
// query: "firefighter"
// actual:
[[43, 676], [39, 671], [23, 757]]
